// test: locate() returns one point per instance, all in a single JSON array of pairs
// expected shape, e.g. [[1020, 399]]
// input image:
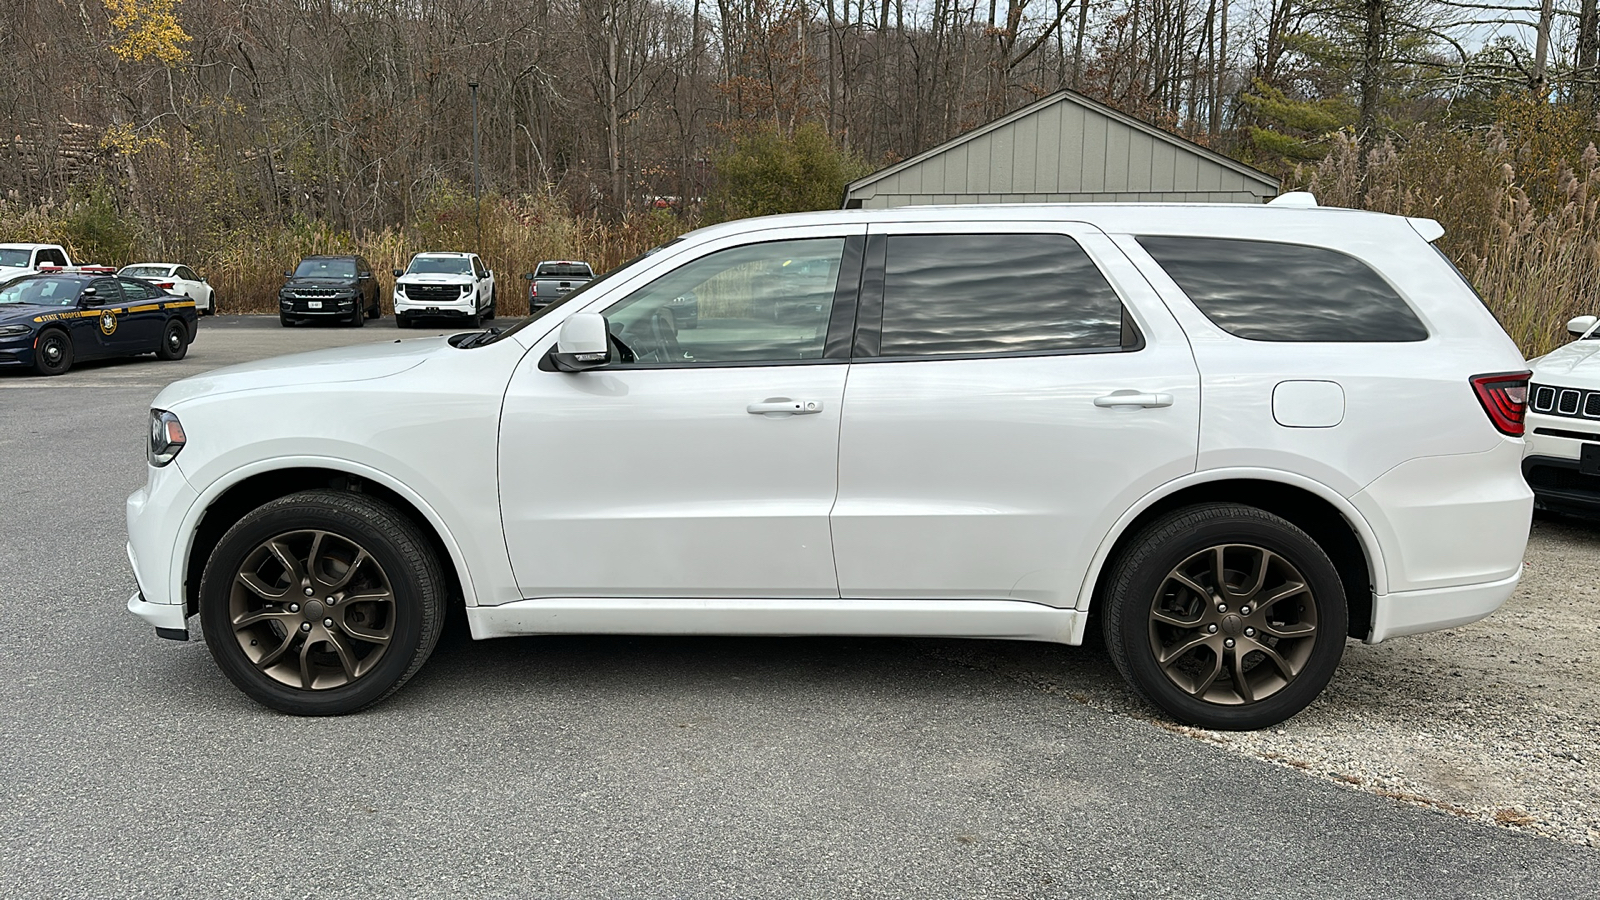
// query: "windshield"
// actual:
[[41, 291], [145, 271], [326, 268], [14, 257], [439, 265], [580, 291]]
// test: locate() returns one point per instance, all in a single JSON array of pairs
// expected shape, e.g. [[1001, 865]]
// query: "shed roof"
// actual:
[[1067, 96]]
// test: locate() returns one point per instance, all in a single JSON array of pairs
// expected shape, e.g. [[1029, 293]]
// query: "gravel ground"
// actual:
[[1498, 721]]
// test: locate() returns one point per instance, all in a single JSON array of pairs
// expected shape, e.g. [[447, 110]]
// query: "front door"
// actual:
[[1011, 395], [701, 462]]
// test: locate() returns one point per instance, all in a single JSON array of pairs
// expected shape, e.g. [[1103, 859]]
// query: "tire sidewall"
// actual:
[[1143, 569], [165, 351], [282, 517]]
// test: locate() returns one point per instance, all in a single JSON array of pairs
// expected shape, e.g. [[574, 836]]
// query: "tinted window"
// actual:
[[995, 293], [52, 258], [438, 265], [564, 270], [1267, 291], [187, 274], [765, 302], [106, 292]]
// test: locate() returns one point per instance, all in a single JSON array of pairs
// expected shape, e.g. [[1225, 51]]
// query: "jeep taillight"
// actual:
[[1504, 396]]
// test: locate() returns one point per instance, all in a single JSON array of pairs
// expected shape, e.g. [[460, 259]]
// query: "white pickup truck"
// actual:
[[21, 259], [445, 286]]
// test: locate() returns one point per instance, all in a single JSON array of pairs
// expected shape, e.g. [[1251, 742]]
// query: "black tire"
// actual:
[[475, 320], [1290, 641], [357, 318], [407, 572], [401, 321], [52, 352], [489, 316], [285, 321], [174, 341]]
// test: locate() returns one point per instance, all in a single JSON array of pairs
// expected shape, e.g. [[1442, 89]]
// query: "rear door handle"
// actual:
[[1117, 399], [783, 406]]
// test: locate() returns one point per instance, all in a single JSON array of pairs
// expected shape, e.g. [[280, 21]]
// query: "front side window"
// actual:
[[1269, 291], [759, 303], [966, 294]]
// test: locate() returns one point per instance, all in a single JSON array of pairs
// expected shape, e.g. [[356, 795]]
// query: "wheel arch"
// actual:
[[1331, 520], [228, 501]]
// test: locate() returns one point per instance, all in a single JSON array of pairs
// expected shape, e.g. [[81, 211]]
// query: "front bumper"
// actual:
[[298, 308], [459, 309], [168, 618]]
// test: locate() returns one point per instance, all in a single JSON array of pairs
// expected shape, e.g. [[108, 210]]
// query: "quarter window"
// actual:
[[1269, 291], [759, 303], [964, 294]]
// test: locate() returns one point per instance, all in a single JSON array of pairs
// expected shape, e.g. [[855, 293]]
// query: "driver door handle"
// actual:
[[783, 406], [1117, 399]]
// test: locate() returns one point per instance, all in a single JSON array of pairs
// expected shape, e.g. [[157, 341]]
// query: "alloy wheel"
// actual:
[[312, 609], [1233, 624]]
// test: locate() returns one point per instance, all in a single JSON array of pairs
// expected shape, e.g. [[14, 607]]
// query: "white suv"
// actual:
[[1563, 457], [445, 285], [1235, 435]]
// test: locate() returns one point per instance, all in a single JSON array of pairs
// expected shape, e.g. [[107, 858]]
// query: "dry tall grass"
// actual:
[[1535, 260], [246, 265]]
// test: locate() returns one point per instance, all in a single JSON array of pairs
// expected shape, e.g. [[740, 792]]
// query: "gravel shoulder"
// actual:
[[1497, 721]]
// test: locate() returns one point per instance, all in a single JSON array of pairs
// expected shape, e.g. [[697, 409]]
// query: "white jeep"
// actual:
[[1230, 436]]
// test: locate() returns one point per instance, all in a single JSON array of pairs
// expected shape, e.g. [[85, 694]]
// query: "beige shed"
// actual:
[[1063, 148]]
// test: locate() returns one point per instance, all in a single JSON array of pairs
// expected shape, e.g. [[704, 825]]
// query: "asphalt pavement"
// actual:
[[618, 767]]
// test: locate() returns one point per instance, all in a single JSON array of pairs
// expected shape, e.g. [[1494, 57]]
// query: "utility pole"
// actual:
[[477, 179]]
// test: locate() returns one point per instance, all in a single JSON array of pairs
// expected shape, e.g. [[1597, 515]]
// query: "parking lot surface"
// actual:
[[634, 767]]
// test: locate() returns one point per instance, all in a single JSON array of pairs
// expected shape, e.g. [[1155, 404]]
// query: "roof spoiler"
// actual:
[[1295, 200], [1430, 229]]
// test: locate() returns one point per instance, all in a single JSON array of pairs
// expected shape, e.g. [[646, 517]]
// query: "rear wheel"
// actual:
[[174, 341], [52, 352], [1225, 616], [322, 602]]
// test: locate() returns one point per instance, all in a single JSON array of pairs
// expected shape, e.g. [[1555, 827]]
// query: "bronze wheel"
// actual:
[[322, 602], [312, 610], [1225, 616], [1232, 624]]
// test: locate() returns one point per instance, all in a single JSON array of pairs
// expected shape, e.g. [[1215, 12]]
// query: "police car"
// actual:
[[50, 320]]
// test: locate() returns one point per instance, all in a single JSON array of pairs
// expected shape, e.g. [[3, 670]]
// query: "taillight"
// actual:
[[164, 285], [1504, 396]]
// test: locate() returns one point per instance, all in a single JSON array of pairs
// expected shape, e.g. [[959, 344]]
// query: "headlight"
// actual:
[[466, 289], [399, 290], [166, 437], [13, 330]]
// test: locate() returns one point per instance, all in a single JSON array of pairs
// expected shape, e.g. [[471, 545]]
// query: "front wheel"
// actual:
[[52, 354], [490, 314], [1225, 616], [322, 602]]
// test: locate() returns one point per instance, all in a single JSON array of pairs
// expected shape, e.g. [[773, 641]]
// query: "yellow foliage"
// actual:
[[147, 29], [122, 138]]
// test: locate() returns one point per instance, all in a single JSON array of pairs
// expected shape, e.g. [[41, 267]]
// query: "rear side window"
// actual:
[[964, 294], [1269, 291]]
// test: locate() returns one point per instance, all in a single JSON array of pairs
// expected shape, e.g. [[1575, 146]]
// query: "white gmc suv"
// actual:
[[445, 285], [1233, 436]]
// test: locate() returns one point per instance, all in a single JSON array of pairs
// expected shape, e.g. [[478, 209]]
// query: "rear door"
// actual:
[[144, 314], [1015, 388]]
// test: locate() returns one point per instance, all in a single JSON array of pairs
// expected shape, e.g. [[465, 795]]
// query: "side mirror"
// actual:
[[288, 274], [365, 276], [583, 343], [1581, 324], [528, 276], [398, 273], [204, 280]]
